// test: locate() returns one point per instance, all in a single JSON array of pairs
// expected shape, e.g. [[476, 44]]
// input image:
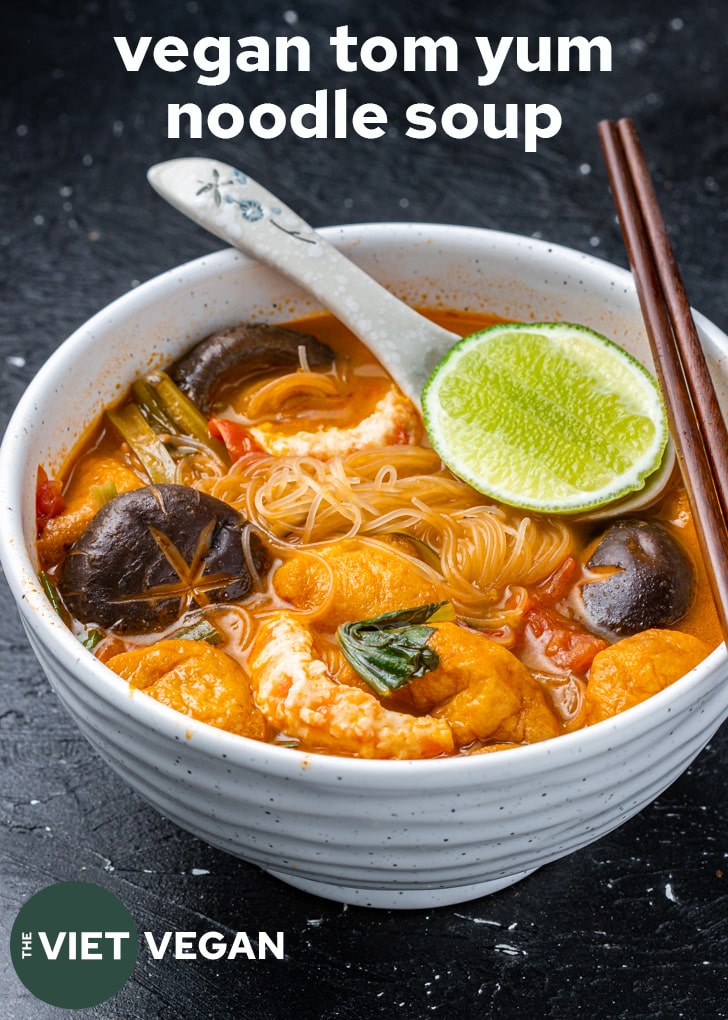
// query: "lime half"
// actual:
[[546, 416]]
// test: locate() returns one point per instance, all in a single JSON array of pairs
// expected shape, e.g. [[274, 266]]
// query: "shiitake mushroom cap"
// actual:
[[150, 554], [652, 582], [199, 372]]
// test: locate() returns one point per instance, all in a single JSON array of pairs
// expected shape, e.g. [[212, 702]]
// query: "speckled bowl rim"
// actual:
[[440, 773]]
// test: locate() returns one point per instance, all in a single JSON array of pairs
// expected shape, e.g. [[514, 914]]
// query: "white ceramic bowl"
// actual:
[[387, 834]]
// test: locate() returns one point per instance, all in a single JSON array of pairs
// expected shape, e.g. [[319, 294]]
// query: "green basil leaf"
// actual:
[[388, 651]]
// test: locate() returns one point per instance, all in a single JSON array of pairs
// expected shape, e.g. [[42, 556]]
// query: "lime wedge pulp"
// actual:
[[545, 416]]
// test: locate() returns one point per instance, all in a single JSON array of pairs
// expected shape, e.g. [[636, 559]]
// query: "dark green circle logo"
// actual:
[[74, 945]]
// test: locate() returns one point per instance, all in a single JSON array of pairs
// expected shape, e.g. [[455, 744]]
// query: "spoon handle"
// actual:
[[236, 209]]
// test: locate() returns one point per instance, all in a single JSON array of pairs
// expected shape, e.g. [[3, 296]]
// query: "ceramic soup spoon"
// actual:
[[241, 212], [238, 210]]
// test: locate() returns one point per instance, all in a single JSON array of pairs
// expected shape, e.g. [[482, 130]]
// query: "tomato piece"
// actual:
[[49, 501], [237, 439], [562, 641], [557, 584]]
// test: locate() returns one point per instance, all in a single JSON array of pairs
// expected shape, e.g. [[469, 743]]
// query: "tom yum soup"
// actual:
[[263, 538]]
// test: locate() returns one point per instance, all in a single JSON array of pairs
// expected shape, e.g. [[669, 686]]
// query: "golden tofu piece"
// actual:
[[637, 667], [350, 581], [196, 679], [61, 532], [483, 691]]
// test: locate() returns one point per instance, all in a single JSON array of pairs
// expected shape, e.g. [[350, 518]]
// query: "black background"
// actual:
[[633, 926]]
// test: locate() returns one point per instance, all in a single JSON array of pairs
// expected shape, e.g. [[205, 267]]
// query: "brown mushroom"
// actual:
[[199, 372], [651, 582], [151, 554]]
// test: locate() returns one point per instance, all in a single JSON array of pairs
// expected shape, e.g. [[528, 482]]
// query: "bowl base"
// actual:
[[400, 899]]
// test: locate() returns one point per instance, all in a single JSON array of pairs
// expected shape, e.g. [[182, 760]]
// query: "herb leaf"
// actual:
[[388, 651], [91, 638]]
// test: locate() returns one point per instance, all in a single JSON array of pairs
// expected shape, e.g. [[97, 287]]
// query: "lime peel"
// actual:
[[546, 416]]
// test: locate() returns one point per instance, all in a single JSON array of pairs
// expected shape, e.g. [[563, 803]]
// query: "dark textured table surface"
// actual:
[[632, 926]]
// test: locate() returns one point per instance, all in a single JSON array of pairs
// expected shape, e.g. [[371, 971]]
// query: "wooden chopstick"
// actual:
[[697, 376], [697, 425]]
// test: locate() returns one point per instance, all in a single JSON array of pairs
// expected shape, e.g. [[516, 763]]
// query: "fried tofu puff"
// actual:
[[62, 531], [635, 668], [353, 580], [483, 691], [197, 679]]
